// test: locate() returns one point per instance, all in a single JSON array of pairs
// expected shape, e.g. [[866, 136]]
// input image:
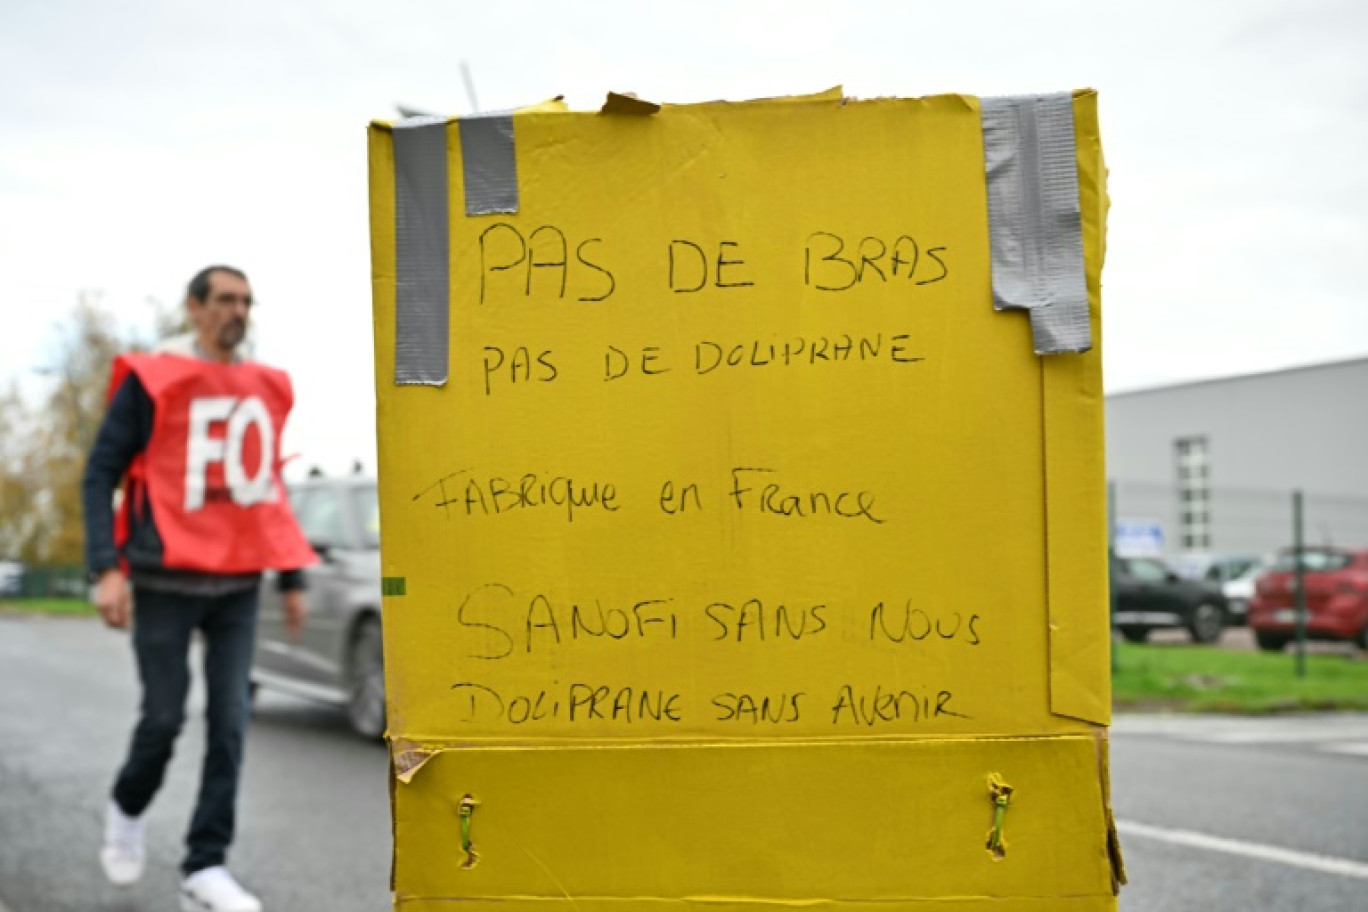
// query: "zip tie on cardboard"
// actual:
[[489, 164], [421, 251], [1034, 217], [1001, 793], [467, 811]]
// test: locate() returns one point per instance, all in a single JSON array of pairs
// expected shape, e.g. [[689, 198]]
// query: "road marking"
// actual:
[[1354, 748], [1311, 736], [1316, 731], [1325, 864]]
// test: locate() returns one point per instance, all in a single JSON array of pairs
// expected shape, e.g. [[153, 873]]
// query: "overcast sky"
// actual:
[[141, 140]]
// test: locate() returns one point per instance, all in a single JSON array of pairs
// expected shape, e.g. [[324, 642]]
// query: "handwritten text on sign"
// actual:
[[750, 489], [535, 660], [514, 626], [546, 265]]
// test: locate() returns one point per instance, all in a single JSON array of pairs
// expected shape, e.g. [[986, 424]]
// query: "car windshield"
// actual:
[[1231, 568], [1311, 560], [1146, 570]]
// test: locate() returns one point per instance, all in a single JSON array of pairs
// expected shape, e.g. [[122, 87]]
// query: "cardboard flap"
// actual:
[[763, 823], [1076, 477], [626, 104]]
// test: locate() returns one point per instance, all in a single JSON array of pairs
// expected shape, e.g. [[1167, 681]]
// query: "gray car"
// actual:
[[338, 657]]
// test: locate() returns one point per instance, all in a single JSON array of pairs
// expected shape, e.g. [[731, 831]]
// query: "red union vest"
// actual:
[[211, 470]]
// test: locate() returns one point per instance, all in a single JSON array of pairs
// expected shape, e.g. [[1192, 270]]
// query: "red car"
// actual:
[[1336, 598]]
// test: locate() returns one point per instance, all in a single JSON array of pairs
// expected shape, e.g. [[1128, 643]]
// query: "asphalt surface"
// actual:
[[1216, 813], [1294, 785], [313, 828]]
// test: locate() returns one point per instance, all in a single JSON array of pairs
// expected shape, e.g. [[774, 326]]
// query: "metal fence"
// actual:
[[1175, 523], [64, 581], [1215, 532]]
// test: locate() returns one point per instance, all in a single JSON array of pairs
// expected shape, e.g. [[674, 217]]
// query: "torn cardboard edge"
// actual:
[[554, 103], [1114, 856], [630, 105], [393, 785], [627, 104], [408, 757]]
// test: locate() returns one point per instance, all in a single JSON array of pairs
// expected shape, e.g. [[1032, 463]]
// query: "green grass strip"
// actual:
[[1188, 678], [58, 606]]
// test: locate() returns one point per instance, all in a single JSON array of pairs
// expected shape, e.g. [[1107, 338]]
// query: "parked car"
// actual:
[[1215, 568], [1234, 573], [338, 657], [1336, 581], [1150, 596], [1239, 591]]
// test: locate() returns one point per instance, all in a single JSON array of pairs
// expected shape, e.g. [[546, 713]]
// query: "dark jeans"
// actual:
[[162, 626]]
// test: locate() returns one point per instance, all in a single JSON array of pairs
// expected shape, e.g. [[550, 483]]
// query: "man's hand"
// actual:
[[296, 609], [113, 599]]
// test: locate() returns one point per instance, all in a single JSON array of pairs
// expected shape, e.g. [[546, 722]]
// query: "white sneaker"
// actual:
[[122, 855], [215, 890]]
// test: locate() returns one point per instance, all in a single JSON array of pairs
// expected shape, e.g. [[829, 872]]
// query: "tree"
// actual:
[[61, 440], [17, 516], [166, 321]]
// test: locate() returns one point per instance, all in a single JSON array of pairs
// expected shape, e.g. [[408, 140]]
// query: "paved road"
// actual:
[[314, 831], [1230, 813], [1217, 813]]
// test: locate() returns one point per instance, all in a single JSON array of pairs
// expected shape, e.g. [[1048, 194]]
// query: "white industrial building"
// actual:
[[1210, 466]]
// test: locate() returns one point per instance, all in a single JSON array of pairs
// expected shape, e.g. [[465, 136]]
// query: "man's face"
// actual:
[[221, 318]]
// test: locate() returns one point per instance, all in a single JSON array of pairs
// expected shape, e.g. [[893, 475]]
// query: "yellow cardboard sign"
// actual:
[[742, 541]]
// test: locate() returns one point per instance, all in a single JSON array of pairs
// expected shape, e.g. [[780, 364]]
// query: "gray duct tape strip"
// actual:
[[421, 267], [1034, 220], [489, 164]]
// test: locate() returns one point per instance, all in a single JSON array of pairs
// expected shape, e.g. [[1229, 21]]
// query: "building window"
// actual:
[[1193, 460]]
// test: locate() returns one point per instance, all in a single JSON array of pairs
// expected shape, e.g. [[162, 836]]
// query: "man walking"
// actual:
[[193, 431]]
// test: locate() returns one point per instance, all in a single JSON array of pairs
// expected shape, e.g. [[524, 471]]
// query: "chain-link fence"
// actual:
[[23, 582], [1186, 525], [1236, 548]]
